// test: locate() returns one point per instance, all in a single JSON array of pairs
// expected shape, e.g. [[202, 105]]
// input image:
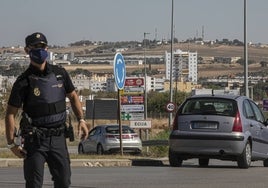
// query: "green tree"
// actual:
[[241, 61], [259, 91], [81, 71], [157, 101]]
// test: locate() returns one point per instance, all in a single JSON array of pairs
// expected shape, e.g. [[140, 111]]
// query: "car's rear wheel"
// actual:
[[138, 152], [203, 162], [265, 163], [100, 149], [80, 149], [174, 159], [244, 160]]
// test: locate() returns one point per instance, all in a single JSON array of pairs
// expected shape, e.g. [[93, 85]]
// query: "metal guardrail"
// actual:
[[155, 143]]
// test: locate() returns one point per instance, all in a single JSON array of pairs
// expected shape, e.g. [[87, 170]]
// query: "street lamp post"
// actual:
[[145, 75], [171, 65], [245, 51]]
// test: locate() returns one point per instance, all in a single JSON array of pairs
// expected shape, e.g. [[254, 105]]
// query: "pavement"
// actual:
[[14, 162]]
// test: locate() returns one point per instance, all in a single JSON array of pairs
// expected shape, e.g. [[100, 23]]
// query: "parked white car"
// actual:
[[106, 139]]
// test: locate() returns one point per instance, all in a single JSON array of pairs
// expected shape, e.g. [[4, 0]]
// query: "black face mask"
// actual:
[[38, 55]]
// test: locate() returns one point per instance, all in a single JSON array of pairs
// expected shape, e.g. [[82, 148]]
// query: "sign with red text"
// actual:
[[134, 82], [132, 99]]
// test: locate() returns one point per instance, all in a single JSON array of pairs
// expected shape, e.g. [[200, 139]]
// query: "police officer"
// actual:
[[41, 91]]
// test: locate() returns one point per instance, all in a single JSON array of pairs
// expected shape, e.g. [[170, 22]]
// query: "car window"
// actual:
[[95, 131], [98, 131], [126, 129], [247, 110], [92, 132], [112, 129], [258, 114], [115, 130], [217, 106]]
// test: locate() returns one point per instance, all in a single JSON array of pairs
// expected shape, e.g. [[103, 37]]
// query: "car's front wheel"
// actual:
[[100, 149], [203, 162], [265, 163], [244, 160], [174, 159]]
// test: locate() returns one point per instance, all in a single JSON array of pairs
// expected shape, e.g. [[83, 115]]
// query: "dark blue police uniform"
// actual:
[[42, 97]]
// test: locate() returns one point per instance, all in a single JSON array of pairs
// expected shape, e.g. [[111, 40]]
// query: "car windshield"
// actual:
[[115, 129], [213, 106]]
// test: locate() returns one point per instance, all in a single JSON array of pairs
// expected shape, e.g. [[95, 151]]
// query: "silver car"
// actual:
[[106, 139], [224, 127]]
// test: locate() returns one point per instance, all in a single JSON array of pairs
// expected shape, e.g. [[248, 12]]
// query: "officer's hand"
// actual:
[[82, 130], [19, 151]]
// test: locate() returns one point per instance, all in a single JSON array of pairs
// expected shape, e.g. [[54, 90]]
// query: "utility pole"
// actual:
[[145, 75], [171, 65], [245, 51]]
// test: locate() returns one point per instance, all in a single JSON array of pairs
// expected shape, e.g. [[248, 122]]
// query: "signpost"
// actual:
[[265, 105], [132, 108], [119, 71], [120, 77], [132, 116], [134, 82], [132, 99], [140, 124]]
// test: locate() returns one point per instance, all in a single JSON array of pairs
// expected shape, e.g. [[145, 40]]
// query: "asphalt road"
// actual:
[[218, 175]]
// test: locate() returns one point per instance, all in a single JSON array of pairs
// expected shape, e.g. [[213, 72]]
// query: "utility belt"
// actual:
[[43, 132], [27, 129], [47, 132]]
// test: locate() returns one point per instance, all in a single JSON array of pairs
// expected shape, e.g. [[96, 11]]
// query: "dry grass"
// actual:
[[158, 125], [2, 127]]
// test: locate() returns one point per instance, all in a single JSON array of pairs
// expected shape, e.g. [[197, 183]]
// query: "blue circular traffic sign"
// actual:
[[119, 70]]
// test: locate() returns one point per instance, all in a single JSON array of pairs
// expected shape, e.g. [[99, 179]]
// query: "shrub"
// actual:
[[161, 150]]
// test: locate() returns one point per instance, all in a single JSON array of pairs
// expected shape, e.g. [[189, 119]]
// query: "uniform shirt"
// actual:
[[19, 90]]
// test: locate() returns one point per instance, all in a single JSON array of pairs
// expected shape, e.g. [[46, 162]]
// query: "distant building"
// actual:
[[154, 84], [97, 82], [180, 86], [111, 87], [81, 82], [226, 59], [184, 67], [6, 82], [216, 92]]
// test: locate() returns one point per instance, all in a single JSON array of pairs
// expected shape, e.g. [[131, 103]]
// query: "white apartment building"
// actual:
[[154, 84], [97, 82], [81, 82], [184, 67]]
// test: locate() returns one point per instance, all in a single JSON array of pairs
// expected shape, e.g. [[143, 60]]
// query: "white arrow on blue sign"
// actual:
[[119, 70]]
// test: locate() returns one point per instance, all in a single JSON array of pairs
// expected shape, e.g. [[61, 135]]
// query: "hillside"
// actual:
[[204, 70], [254, 53]]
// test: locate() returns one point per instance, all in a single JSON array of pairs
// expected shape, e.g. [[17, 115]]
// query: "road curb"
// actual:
[[100, 162], [7, 162]]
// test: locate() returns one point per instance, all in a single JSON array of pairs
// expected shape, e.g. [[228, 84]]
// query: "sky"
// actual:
[[67, 21]]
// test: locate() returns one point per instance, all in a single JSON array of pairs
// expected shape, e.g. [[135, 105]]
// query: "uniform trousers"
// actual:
[[53, 151]]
